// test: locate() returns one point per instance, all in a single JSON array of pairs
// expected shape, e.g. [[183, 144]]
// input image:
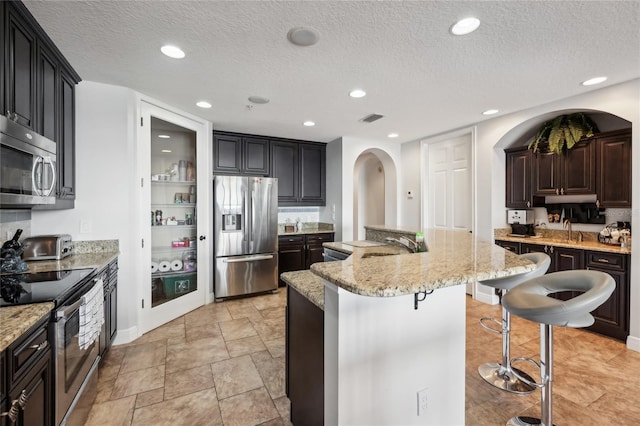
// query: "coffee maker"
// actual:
[[521, 222]]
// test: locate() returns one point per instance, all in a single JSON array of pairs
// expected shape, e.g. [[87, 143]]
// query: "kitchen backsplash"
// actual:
[[291, 214], [12, 220]]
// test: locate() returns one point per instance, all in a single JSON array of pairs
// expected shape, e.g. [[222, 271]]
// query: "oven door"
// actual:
[[27, 166], [72, 364]]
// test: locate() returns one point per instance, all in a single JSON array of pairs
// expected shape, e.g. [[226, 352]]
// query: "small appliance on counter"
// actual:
[[616, 233], [47, 247], [521, 222]]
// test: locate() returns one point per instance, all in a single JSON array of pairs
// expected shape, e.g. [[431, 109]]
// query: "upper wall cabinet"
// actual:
[[613, 169], [519, 178], [38, 91], [600, 165], [301, 171], [240, 154], [566, 174]]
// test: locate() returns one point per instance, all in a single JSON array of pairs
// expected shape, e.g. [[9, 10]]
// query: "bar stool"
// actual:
[[501, 375], [531, 301]]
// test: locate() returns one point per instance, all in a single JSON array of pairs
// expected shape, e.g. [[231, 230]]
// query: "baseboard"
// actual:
[[210, 298], [485, 294], [633, 343], [126, 336]]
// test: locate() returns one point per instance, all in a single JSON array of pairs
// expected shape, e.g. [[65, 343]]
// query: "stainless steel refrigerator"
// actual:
[[246, 229]]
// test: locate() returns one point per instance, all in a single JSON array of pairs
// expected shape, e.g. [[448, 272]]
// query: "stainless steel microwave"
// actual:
[[27, 167]]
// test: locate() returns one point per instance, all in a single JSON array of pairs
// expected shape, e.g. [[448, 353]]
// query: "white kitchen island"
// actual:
[[379, 351]]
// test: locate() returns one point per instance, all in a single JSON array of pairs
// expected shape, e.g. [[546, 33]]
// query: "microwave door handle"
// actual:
[[47, 160], [34, 171]]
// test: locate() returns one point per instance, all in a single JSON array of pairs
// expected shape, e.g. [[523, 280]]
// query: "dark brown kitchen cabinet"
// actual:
[[29, 377], [612, 317], [20, 63], [291, 254], [240, 154], [519, 178], [314, 248], [297, 252], [285, 166], [38, 91], [613, 169], [3, 389], [566, 259], [509, 245], [109, 276], [304, 346], [301, 171], [572, 172]]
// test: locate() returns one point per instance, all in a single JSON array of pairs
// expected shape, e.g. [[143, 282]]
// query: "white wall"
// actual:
[[105, 179], [495, 134], [369, 209], [410, 181], [332, 212]]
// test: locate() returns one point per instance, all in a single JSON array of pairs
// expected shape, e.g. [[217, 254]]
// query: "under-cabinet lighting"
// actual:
[[164, 136]]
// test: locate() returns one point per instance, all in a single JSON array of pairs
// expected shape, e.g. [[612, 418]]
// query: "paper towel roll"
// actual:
[[164, 266], [176, 265], [154, 267]]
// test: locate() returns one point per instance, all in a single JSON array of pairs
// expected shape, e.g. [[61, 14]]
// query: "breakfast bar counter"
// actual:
[[394, 325]]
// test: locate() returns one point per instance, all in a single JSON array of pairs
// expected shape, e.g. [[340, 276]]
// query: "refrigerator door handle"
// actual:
[[247, 259], [246, 217]]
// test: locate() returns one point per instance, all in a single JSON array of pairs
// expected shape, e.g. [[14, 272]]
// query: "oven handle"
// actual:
[[64, 311]]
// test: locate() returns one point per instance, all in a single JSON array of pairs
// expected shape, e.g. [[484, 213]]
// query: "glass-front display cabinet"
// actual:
[[172, 216]]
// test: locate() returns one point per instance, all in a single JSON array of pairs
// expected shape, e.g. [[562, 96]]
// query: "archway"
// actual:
[[374, 191]]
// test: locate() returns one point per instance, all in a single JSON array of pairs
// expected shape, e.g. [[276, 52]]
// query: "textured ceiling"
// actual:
[[420, 77]]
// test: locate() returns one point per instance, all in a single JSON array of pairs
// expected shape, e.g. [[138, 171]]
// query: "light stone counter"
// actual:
[[16, 320], [563, 242], [308, 284], [75, 261], [454, 258]]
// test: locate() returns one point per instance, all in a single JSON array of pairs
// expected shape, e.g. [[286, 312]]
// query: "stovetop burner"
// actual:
[[25, 288]]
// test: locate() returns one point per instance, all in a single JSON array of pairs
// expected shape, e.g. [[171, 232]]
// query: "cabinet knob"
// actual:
[[528, 203], [561, 191], [557, 192], [202, 237]]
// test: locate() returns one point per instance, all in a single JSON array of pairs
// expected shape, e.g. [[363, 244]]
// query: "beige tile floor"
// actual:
[[223, 364]]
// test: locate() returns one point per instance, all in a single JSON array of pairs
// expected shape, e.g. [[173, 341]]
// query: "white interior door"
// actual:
[[449, 194], [174, 189]]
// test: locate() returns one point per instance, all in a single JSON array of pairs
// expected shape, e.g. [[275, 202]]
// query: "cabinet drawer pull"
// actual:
[[40, 346], [603, 260], [22, 401], [13, 412]]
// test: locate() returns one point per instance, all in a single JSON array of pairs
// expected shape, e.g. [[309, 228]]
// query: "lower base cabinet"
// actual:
[[612, 317], [109, 276], [300, 251], [34, 395], [304, 359]]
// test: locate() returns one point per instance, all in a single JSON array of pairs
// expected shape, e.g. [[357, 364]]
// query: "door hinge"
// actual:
[[143, 243], [141, 121], [142, 303], [142, 182]]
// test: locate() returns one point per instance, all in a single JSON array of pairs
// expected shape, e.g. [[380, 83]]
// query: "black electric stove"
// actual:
[[37, 287]]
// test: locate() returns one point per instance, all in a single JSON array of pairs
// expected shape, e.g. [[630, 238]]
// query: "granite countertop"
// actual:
[[16, 320], [373, 248], [454, 258], [75, 261], [563, 242], [308, 284]]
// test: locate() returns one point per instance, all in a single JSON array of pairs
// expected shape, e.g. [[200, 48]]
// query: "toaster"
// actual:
[[47, 247]]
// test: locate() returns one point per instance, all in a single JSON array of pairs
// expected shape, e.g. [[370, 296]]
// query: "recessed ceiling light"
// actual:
[[309, 123], [203, 104], [592, 81], [393, 135], [258, 100], [490, 112], [358, 93], [164, 136], [465, 26], [166, 150], [172, 51], [303, 36]]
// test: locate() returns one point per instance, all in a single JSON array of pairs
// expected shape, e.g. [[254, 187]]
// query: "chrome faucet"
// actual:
[[567, 225], [405, 242]]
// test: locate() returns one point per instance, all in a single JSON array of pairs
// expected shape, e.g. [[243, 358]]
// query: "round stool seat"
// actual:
[[530, 300], [542, 262]]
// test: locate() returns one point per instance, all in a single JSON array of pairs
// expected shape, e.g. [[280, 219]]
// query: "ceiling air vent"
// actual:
[[371, 118]]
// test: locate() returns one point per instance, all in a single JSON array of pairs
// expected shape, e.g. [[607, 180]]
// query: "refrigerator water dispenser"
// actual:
[[231, 222]]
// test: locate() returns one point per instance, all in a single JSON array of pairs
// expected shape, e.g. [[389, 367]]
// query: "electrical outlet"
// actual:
[[85, 226], [422, 402]]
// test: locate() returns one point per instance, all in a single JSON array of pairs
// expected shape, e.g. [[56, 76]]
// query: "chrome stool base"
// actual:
[[525, 421], [494, 374]]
